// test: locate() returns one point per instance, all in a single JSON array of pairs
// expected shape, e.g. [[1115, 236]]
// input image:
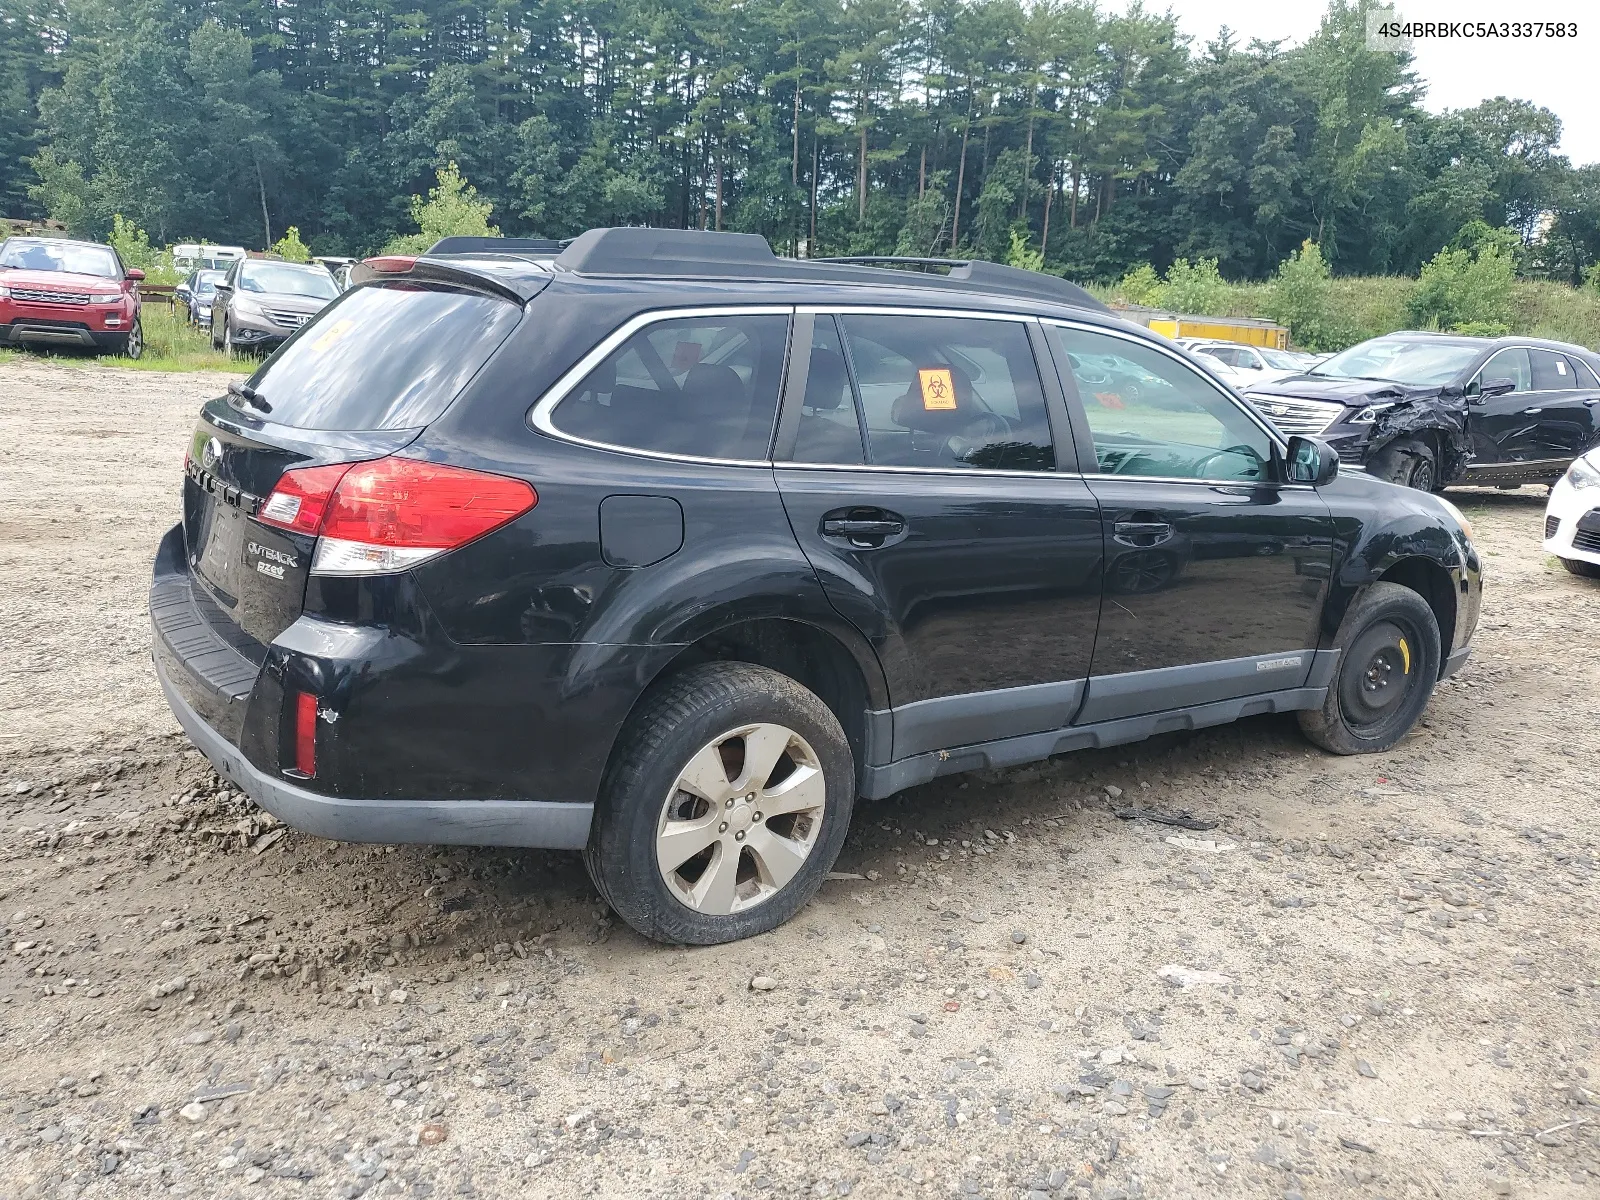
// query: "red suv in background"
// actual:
[[55, 291]]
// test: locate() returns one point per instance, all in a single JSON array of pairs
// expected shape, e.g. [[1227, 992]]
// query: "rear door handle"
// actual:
[[863, 528]]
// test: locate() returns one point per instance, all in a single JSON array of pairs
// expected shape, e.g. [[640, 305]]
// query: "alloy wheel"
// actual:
[[741, 819], [135, 345]]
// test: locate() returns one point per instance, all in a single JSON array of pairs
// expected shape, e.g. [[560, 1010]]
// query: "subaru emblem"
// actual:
[[210, 455]]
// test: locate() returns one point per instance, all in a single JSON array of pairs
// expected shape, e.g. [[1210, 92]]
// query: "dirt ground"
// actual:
[[1377, 977]]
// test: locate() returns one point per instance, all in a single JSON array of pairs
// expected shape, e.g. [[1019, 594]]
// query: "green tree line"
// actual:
[[1057, 132]]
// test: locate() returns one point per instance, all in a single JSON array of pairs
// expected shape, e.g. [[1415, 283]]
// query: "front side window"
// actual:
[[1153, 415], [1512, 364], [705, 387], [949, 392]]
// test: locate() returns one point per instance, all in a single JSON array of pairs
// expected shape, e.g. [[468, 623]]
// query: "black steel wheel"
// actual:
[[1389, 660]]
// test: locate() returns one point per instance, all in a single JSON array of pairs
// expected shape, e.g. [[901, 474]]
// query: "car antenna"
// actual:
[[248, 394]]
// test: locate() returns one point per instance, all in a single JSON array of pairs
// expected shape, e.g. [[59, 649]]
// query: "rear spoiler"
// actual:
[[510, 279]]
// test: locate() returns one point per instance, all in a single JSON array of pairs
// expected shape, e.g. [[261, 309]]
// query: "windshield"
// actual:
[[1403, 360], [75, 257], [1282, 360], [207, 281], [286, 278]]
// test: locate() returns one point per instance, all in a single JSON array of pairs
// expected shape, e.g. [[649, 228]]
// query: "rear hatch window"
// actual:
[[389, 356]]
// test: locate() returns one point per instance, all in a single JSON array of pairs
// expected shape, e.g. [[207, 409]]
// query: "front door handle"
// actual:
[[1141, 534], [1532, 412], [863, 528]]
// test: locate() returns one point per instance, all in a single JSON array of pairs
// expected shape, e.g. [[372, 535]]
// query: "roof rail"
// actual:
[[988, 276], [495, 245], [701, 254]]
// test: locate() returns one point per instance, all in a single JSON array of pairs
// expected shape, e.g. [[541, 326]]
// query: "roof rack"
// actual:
[[700, 254], [495, 245]]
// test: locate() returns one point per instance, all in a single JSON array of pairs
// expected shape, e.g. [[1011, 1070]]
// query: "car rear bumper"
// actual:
[[414, 750], [529, 823]]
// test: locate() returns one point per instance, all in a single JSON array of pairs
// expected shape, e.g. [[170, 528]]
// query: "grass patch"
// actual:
[[170, 344]]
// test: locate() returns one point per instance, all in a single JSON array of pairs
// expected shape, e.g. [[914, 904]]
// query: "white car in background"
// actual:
[[1255, 364], [1572, 518]]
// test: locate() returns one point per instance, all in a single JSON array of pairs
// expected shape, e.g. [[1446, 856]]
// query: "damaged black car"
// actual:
[[1428, 410]]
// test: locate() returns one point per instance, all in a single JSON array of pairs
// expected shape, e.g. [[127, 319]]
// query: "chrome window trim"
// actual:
[[541, 413], [900, 310], [966, 472], [949, 472], [1273, 436]]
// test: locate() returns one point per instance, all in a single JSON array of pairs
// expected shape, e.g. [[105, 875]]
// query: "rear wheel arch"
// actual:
[[813, 657]]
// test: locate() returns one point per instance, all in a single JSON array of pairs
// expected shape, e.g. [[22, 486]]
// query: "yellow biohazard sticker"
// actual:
[[333, 334], [1405, 655], [938, 389]]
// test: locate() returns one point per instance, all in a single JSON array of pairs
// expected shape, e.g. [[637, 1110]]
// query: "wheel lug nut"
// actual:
[[757, 817], [738, 837], [723, 828], [729, 804]]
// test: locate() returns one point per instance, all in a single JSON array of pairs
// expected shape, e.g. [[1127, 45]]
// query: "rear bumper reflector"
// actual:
[[305, 735]]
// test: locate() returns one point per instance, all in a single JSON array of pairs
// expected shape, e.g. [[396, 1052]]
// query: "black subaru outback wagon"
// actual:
[[665, 549]]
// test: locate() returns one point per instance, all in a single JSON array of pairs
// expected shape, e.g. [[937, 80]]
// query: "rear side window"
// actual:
[[391, 356], [705, 387], [949, 392], [1551, 373]]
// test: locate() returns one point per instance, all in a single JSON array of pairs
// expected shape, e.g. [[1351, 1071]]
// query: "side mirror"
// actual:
[[1311, 460], [1496, 387], [135, 274], [224, 287]]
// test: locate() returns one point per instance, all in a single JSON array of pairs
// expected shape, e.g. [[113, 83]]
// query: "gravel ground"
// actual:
[[1377, 977]]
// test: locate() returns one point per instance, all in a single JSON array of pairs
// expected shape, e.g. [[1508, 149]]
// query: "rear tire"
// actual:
[[681, 849], [1577, 566], [1410, 462], [1389, 660]]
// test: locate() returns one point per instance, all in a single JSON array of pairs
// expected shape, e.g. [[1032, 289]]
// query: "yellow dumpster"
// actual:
[[1252, 331]]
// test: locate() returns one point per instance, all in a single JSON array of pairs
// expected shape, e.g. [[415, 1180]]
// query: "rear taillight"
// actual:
[[305, 734], [386, 515], [300, 500]]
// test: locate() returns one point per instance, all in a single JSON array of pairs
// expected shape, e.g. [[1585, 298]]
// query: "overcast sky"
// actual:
[[1557, 74]]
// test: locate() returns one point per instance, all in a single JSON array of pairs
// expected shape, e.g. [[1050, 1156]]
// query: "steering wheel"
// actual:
[[981, 430], [1200, 467]]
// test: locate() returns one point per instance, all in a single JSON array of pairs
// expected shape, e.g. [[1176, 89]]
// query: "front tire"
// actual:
[[1389, 660], [727, 800], [1409, 462], [133, 344], [1577, 566]]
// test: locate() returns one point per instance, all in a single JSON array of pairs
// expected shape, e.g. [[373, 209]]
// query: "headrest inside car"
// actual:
[[827, 383]]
